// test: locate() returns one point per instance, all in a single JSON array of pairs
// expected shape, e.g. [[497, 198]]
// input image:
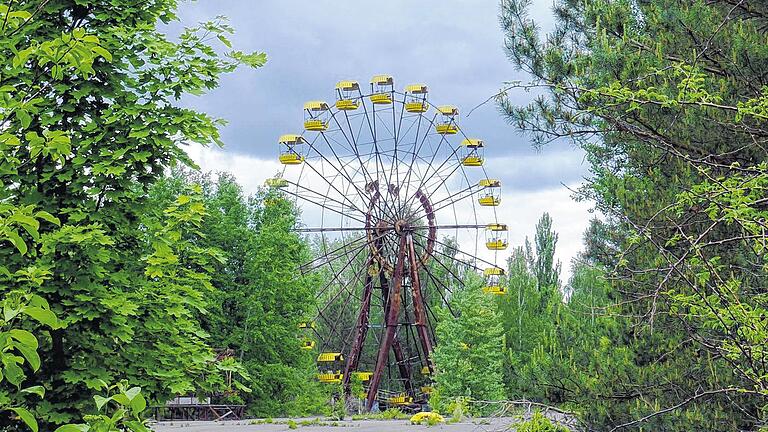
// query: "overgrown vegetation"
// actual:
[[668, 99], [119, 264], [89, 121]]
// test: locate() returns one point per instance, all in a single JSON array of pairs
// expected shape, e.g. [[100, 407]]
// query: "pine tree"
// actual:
[[469, 354]]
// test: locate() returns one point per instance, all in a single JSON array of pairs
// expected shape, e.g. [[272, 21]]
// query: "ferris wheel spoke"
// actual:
[[394, 165], [354, 145], [334, 323], [324, 258], [343, 205], [344, 288], [417, 151], [441, 177], [478, 259], [333, 229], [414, 154], [332, 186], [379, 163], [426, 177], [434, 151], [444, 266], [335, 279], [344, 175], [341, 212], [462, 195], [447, 226]]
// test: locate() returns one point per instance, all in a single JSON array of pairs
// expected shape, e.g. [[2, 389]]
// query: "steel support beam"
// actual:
[[419, 308], [393, 312]]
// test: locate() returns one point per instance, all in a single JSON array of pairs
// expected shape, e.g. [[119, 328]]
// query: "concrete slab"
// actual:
[[321, 425]]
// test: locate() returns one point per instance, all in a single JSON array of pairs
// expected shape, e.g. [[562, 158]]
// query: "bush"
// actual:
[[539, 423]]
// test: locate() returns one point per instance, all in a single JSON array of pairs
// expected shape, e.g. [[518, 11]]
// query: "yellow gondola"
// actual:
[[330, 357], [447, 124], [495, 290], [347, 95], [316, 116], [276, 183], [362, 376], [496, 236], [290, 153], [330, 377], [425, 370], [493, 281], [427, 389], [473, 153], [306, 325], [401, 399], [307, 344], [416, 98], [381, 89], [490, 196]]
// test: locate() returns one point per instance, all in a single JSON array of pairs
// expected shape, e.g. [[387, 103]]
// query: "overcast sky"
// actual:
[[454, 46]]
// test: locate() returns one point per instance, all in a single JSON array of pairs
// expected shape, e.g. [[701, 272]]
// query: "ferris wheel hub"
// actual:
[[401, 226]]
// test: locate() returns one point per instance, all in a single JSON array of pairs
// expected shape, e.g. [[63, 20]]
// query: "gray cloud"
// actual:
[[453, 46]]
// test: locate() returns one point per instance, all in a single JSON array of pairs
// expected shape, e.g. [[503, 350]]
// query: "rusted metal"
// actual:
[[361, 329], [402, 365], [361, 326], [419, 309], [432, 233], [392, 314]]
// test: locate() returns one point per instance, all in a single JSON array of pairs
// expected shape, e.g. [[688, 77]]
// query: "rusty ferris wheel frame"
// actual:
[[380, 170]]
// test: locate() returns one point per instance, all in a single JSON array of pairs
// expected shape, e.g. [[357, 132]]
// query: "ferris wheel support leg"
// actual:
[[361, 329], [402, 365], [419, 307], [391, 324]]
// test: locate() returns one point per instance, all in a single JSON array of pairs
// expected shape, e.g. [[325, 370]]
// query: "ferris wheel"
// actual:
[[402, 213]]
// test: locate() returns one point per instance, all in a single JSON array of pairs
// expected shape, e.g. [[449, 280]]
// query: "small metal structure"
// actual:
[[496, 236], [401, 399], [389, 182], [363, 376], [194, 407], [291, 149], [447, 124], [493, 281], [316, 116], [382, 87], [473, 152], [490, 195], [276, 183], [330, 365], [416, 98], [347, 95]]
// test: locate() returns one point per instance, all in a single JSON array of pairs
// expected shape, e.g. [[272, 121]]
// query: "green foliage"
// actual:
[[668, 99], [393, 414], [458, 408], [18, 350], [256, 298], [539, 423], [89, 119], [120, 409], [469, 356], [532, 317]]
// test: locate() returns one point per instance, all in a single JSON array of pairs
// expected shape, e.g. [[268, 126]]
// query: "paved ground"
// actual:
[[320, 425]]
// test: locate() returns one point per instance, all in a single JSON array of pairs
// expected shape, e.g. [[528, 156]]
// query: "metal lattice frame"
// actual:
[[380, 180]]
